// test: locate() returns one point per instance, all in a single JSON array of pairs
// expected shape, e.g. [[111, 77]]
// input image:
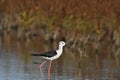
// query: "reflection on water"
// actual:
[[17, 64]]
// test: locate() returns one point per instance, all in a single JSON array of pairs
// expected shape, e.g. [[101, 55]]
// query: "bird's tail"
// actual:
[[35, 54]]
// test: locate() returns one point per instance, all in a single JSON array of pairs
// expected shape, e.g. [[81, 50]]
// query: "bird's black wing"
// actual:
[[46, 54]]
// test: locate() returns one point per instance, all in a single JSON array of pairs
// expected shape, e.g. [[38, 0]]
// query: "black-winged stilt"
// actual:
[[51, 55]]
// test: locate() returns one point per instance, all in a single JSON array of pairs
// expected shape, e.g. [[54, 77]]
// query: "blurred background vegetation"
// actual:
[[78, 15], [77, 21]]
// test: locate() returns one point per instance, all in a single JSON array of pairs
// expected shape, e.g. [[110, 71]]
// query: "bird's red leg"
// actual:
[[40, 67], [49, 69]]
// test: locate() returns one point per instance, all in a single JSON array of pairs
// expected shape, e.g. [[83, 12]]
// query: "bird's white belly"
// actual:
[[52, 58], [59, 52]]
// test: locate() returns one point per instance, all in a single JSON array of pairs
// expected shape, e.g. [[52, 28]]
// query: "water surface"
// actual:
[[17, 64]]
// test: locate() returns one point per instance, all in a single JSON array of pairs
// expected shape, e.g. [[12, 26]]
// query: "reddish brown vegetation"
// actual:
[[89, 10]]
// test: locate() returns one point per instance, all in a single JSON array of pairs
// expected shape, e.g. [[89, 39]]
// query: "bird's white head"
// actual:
[[61, 43]]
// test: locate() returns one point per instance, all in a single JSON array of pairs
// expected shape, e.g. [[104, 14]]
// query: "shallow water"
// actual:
[[17, 64]]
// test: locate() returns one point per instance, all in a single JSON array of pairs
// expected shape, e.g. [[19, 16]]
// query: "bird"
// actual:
[[51, 55]]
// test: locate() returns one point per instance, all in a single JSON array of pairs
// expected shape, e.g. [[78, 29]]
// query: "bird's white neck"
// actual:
[[60, 49]]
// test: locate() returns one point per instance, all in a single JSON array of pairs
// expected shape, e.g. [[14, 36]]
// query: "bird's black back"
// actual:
[[46, 54]]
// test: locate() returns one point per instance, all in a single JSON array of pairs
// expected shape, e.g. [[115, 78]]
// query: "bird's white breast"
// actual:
[[59, 52]]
